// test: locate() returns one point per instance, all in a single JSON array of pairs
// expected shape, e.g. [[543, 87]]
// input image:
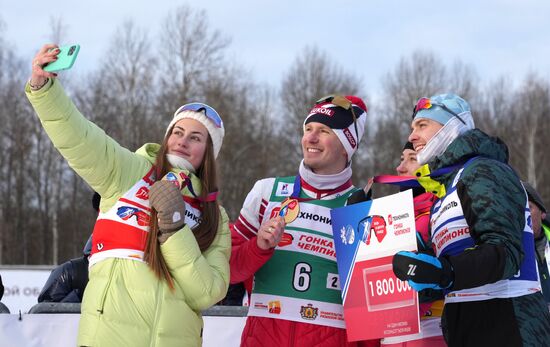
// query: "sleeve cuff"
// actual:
[[258, 251], [491, 256], [44, 88]]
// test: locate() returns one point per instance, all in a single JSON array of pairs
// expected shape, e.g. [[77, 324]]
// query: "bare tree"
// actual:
[[312, 76], [3, 157], [421, 74], [494, 106], [518, 116], [245, 109], [192, 51], [58, 29], [121, 98], [462, 79], [50, 209], [132, 96], [15, 174], [530, 108]]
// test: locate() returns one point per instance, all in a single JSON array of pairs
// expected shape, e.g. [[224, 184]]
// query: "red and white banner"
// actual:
[[366, 236]]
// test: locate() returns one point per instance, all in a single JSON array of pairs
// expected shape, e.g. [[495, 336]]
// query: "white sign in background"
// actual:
[[41, 330], [22, 287]]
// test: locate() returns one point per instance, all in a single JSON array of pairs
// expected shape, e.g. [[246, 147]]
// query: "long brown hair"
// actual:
[[206, 230]]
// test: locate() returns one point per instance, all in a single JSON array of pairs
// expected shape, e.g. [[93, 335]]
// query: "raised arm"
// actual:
[[107, 167]]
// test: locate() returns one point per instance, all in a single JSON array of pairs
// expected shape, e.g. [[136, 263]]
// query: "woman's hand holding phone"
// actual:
[[50, 59], [45, 55], [66, 56]]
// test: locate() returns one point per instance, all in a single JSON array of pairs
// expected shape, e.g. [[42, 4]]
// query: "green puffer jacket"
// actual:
[[493, 201], [124, 303]]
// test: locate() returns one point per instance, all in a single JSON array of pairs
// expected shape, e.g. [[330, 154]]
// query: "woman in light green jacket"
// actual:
[[161, 243]]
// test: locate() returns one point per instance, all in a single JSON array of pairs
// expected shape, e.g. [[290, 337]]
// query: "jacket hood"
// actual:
[[470, 144]]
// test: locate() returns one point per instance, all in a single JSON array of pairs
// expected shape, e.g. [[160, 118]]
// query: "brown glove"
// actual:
[[166, 198]]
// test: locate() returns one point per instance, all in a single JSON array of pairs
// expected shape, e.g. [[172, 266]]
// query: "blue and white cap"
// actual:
[[443, 107]]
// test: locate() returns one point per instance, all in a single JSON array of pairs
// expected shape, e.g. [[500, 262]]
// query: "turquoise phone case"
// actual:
[[65, 59]]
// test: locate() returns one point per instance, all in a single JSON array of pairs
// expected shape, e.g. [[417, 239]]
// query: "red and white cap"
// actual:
[[347, 119]]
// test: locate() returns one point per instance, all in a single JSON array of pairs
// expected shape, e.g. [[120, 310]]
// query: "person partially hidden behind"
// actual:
[[68, 281], [431, 303], [1, 288], [541, 231]]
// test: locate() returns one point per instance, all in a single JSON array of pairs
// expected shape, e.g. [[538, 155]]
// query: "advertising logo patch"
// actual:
[[275, 212], [284, 189], [322, 110], [127, 212], [274, 307], [347, 234], [286, 240], [309, 312], [350, 137], [372, 224], [142, 193]]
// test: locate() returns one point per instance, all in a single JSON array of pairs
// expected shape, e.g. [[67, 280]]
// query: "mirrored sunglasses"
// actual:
[[208, 111], [426, 104]]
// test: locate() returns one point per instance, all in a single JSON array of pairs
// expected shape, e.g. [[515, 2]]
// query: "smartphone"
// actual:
[[65, 59]]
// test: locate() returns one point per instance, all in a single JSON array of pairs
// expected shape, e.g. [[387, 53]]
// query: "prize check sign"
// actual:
[[366, 236]]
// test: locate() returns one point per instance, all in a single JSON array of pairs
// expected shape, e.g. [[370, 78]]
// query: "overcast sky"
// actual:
[[497, 37]]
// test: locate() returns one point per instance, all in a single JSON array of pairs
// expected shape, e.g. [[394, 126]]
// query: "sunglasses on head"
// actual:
[[426, 104], [208, 111], [342, 102]]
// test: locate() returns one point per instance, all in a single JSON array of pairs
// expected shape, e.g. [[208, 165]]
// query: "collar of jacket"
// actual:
[[431, 185], [546, 230], [470, 144]]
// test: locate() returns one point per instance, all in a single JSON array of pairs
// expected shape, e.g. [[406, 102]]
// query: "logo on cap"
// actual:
[[322, 110], [350, 137]]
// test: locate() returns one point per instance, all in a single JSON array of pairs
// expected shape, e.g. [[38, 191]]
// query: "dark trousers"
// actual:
[[521, 321]]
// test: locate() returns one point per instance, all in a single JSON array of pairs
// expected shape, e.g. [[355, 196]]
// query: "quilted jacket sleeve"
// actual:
[[494, 202], [107, 167], [202, 277]]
